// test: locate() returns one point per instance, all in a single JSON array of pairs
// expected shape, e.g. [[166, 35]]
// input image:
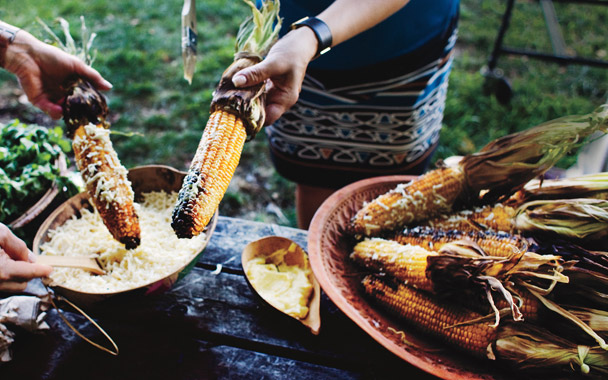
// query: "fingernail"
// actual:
[[108, 84], [239, 80]]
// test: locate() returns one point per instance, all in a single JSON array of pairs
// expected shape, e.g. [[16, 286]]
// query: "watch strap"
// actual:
[[321, 31]]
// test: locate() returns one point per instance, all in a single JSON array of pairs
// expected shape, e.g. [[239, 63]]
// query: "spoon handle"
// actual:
[[86, 263]]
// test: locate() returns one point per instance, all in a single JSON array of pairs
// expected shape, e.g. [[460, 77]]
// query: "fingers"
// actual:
[[15, 266], [92, 76], [257, 73], [22, 271], [273, 113], [52, 109], [12, 286], [247, 77], [12, 246]]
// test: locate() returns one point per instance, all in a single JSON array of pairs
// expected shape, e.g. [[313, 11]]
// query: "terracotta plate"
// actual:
[[328, 249]]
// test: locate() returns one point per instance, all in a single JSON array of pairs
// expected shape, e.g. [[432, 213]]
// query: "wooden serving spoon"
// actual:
[[87, 263]]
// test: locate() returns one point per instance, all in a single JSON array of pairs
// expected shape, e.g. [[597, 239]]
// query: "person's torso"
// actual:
[[409, 28]]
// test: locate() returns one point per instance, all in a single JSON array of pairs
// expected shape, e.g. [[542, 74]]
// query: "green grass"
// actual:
[[138, 47]]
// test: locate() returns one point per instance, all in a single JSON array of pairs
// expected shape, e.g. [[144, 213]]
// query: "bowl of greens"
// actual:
[[33, 169]]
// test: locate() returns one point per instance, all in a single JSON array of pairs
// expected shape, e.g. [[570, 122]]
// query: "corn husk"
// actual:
[[256, 36], [83, 104], [464, 266], [531, 348], [506, 164], [588, 186], [580, 218]]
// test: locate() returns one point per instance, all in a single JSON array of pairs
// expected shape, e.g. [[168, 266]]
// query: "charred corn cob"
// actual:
[[455, 263], [522, 346], [84, 112], [572, 218], [429, 195], [426, 270], [407, 263], [447, 322], [210, 173], [236, 114], [498, 217], [107, 183], [494, 173], [460, 268], [499, 244], [457, 272]]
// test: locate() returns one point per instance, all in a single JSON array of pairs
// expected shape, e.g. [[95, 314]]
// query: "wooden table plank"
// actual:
[[208, 326], [232, 234]]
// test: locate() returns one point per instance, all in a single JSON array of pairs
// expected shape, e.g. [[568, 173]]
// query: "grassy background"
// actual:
[[139, 43]]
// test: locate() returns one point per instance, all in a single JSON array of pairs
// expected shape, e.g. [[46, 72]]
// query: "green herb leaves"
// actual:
[[28, 167]]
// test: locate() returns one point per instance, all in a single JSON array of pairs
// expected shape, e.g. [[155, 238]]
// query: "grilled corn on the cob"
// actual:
[[107, 183], [84, 112], [407, 263], [522, 346], [236, 114], [499, 244], [210, 173], [435, 273], [449, 323], [494, 173], [462, 268], [429, 195], [498, 217]]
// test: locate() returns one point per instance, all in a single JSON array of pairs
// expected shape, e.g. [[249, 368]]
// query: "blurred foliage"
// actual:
[[29, 166], [139, 44]]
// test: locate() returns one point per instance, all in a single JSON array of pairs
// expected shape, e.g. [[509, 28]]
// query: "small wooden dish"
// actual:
[[264, 247]]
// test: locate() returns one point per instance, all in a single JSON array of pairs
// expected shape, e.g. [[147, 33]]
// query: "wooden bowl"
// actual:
[[328, 250], [44, 201], [268, 245], [143, 179]]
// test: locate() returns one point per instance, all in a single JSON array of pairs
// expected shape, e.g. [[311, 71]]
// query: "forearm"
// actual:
[[347, 18], [7, 36], [286, 63]]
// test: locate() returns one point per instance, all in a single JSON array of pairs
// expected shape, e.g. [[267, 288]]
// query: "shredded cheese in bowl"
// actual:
[[160, 254]]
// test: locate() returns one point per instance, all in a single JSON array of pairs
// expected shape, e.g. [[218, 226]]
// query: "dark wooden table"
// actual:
[[208, 326]]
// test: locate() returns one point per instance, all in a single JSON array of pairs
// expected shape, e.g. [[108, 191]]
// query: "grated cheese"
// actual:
[[98, 181], [159, 255]]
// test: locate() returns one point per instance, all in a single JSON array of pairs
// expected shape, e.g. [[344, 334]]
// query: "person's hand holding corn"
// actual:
[[43, 69]]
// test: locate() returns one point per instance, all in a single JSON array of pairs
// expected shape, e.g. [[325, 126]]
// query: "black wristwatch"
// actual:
[[320, 29]]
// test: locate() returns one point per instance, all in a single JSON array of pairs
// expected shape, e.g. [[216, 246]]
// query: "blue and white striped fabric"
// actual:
[[357, 122]]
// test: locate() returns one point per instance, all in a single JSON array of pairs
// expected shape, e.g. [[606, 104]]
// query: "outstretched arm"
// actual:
[[285, 65], [42, 69]]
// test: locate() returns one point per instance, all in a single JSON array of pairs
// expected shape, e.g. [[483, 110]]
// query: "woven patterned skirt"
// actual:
[[377, 120]]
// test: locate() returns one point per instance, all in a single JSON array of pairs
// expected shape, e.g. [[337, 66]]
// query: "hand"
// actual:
[[16, 263], [43, 70], [283, 69]]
